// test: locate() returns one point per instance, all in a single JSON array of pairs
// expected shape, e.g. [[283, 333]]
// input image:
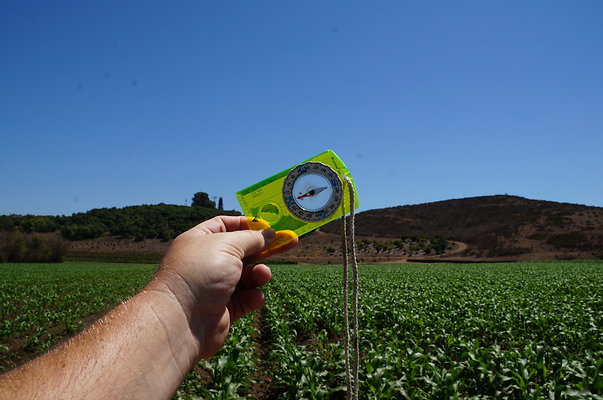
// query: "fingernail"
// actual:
[[269, 234]]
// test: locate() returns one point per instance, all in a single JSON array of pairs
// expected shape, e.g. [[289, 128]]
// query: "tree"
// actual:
[[201, 199], [220, 204]]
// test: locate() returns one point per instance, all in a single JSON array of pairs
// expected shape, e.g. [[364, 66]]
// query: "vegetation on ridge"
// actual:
[[163, 221], [27, 237]]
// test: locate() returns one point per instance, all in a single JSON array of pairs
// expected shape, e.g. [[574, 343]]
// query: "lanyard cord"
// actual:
[[351, 378]]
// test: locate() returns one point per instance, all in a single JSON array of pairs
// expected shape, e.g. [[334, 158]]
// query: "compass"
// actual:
[[303, 197], [312, 191]]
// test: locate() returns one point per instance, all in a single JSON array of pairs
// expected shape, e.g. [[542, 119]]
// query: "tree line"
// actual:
[[162, 221]]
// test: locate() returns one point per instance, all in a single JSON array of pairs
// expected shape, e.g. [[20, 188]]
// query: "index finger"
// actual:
[[222, 223]]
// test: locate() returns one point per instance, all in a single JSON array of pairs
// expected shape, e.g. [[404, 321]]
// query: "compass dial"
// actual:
[[312, 191]]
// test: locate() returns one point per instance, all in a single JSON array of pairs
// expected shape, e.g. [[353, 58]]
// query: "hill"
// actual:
[[493, 227], [487, 228]]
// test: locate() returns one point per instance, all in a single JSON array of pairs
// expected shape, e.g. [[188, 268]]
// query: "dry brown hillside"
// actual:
[[493, 227]]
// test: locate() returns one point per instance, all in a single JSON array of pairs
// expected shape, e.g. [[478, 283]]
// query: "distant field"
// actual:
[[507, 330]]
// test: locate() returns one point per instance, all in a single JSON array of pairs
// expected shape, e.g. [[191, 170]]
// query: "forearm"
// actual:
[[142, 349]]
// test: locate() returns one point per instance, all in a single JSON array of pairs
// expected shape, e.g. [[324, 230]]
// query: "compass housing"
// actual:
[[312, 191]]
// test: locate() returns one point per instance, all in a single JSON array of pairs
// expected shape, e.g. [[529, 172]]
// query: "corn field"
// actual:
[[444, 331]]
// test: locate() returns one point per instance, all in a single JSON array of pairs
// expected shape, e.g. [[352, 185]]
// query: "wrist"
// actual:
[[182, 331], [207, 318]]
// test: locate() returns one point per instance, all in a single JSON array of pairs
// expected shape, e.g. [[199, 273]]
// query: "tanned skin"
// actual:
[[145, 347]]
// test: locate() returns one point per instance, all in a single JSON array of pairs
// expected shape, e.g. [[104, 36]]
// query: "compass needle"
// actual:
[[312, 192]]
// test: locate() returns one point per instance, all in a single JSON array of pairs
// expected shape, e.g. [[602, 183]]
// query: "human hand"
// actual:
[[145, 346], [206, 269]]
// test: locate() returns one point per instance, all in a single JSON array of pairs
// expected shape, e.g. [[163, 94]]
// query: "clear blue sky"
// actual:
[[116, 103]]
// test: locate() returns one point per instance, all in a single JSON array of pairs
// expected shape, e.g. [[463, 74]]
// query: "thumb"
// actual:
[[250, 243]]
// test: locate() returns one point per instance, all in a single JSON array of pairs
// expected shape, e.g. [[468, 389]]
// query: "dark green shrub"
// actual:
[[439, 245], [21, 247]]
